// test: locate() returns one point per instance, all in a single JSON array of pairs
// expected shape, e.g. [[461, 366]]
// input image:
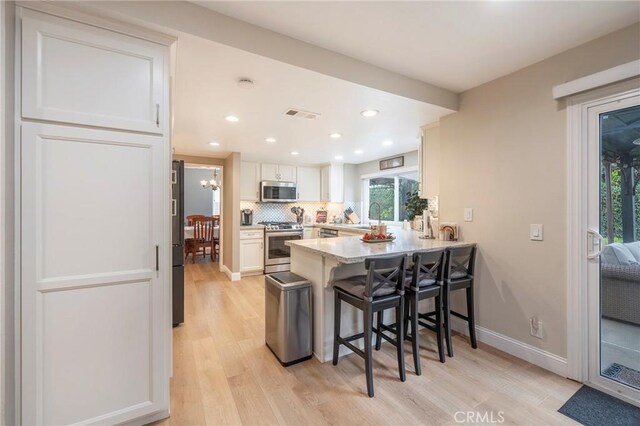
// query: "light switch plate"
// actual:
[[536, 232], [468, 214]]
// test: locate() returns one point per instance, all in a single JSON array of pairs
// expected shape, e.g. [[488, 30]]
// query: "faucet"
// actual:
[[379, 211]]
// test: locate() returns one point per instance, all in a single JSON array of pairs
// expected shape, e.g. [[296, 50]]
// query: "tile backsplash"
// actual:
[[281, 212]]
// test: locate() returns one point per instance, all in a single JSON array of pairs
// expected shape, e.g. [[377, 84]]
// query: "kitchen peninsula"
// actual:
[[324, 260]]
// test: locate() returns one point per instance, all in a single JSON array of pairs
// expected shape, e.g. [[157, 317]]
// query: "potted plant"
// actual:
[[415, 205]]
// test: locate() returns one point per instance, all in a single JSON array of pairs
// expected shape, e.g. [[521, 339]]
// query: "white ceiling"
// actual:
[[454, 45], [206, 91]]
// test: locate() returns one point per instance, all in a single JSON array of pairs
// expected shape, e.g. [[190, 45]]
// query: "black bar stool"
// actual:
[[425, 282], [458, 275], [382, 288]]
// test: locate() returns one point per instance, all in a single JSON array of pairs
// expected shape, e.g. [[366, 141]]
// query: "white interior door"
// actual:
[[93, 305], [613, 295]]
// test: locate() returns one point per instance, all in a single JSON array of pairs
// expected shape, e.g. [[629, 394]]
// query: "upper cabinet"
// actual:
[[308, 184], [278, 172], [80, 74], [249, 181], [430, 161], [332, 183]]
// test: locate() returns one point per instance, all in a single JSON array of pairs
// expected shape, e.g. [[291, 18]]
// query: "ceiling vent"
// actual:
[[301, 114], [245, 83]]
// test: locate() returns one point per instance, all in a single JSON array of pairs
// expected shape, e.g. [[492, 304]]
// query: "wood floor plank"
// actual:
[[225, 374]]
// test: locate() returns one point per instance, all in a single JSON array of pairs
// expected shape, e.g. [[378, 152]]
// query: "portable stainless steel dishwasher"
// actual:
[[288, 317]]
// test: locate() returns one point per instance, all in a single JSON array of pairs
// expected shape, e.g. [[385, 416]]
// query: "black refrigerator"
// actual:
[[177, 237]]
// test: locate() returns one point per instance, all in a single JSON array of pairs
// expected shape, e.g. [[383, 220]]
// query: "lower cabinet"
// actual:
[[251, 252]]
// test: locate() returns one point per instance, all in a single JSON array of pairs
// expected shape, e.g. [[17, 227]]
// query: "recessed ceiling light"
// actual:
[[294, 153], [338, 157], [358, 151], [232, 118], [270, 140], [369, 112], [214, 144], [335, 135], [387, 143]]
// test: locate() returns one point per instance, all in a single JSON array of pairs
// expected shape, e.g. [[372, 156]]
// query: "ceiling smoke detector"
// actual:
[[245, 83], [292, 112]]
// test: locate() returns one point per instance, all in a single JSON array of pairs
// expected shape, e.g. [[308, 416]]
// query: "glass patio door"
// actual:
[[613, 241]]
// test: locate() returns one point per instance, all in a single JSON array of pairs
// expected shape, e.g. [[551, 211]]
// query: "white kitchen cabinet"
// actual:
[[429, 158], [349, 233], [308, 184], [251, 252], [315, 232], [278, 172], [249, 181], [83, 305], [80, 74], [332, 183], [306, 233]]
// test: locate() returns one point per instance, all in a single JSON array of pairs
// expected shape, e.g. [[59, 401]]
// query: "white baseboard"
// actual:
[[233, 276], [536, 356]]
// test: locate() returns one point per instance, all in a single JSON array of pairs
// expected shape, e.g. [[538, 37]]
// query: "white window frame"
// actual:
[[396, 201]]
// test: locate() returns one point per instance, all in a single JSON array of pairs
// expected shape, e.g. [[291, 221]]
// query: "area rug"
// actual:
[[623, 374], [591, 407]]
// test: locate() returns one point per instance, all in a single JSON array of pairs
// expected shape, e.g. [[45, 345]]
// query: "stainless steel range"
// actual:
[[277, 255]]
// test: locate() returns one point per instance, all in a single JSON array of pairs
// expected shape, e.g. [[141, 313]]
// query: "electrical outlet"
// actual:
[[536, 327]]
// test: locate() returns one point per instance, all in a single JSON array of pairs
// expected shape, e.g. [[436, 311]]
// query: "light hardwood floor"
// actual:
[[224, 373]]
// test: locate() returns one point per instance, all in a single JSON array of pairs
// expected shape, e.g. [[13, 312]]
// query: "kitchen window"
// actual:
[[390, 190]]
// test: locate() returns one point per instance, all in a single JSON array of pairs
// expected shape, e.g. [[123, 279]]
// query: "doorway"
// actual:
[[203, 197], [604, 277]]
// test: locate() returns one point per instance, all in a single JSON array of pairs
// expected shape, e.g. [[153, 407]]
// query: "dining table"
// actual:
[[188, 232]]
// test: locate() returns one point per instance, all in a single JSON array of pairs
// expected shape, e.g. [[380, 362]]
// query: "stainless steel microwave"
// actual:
[[278, 192]]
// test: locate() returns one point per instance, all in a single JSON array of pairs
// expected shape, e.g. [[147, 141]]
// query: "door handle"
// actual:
[[174, 207], [595, 236], [157, 257], [158, 115]]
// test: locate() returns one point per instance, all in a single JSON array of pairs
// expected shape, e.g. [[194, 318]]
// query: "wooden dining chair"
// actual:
[[215, 246], [202, 236], [192, 217]]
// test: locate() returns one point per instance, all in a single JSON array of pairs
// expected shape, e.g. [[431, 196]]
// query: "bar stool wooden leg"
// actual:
[[471, 317], [380, 321], [336, 327], [447, 320], [439, 328], [400, 340], [368, 349], [413, 301]]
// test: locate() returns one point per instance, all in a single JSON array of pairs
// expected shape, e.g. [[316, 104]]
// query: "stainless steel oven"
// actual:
[[277, 255]]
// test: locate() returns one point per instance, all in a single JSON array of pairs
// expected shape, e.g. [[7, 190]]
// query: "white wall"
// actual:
[[197, 200], [504, 154], [410, 159]]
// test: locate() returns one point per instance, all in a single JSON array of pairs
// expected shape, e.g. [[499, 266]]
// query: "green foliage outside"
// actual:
[[616, 192], [382, 191]]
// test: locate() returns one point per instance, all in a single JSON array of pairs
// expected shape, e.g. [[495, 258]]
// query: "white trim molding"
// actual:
[[599, 79], [233, 276], [547, 360], [577, 221]]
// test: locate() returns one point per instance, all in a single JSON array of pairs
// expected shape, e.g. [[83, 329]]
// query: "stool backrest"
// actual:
[[428, 265], [384, 271], [461, 262]]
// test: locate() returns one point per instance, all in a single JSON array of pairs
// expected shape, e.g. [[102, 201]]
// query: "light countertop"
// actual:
[[353, 250]]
